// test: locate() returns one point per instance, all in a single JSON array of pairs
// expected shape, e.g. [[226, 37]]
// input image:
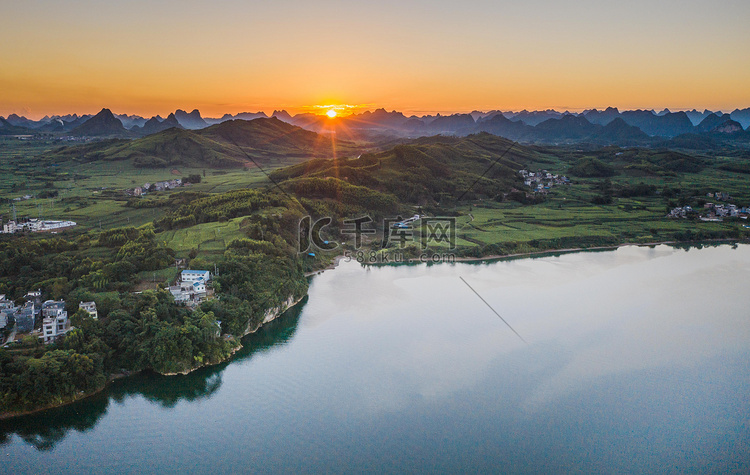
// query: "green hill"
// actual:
[[428, 170], [270, 137], [591, 167], [231, 144]]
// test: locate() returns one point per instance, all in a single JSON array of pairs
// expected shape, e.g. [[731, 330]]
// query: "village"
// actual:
[[712, 212], [158, 186], [48, 320], [542, 181]]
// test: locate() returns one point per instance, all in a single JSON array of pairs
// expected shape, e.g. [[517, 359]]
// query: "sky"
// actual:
[[225, 56]]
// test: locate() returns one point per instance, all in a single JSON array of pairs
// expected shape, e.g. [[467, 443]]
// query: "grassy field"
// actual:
[[92, 194], [207, 238]]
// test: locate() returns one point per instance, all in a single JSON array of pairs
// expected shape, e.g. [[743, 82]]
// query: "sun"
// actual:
[[331, 113]]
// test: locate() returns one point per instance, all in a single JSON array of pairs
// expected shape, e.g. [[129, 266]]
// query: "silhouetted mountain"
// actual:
[[489, 115], [535, 117], [476, 115], [602, 117], [224, 145], [740, 115], [697, 117], [69, 117], [154, 125], [501, 126], [241, 115], [102, 124], [282, 115], [192, 120], [668, 125], [308, 121], [130, 121], [58, 124], [715, 121], [729, 126], [266, 134], [381, 126], [566, 128], [251, 115], [378, 118], [20, 121], [447, 124], [54, 125], [6, 128], [620, 133]]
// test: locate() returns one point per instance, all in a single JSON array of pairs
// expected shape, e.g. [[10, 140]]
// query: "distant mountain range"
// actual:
[[234, 143], [608, 126]]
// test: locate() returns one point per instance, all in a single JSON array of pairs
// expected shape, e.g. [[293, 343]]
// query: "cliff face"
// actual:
[[273, 313]]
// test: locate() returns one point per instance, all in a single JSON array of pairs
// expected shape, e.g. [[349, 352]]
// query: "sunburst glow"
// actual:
[[331, 113]]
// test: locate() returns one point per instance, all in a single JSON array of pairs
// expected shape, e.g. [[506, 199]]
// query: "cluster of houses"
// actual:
[[158, 186], [719, 196], [680, 212], [36, 226], [54, 318], [49, 320], [712, 212], [715, 212], [191, 289], [542, 181]]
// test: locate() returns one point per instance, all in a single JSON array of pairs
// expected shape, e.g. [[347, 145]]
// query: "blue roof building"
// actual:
[[195, 275]]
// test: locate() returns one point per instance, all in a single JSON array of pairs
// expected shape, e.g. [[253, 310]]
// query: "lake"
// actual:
[[634, 360]]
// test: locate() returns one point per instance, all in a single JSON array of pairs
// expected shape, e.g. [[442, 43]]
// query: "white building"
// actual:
[[5, 303], [36, 226], [195, 275], [10, 227], [199, 287], [90, 308], [55, 321]]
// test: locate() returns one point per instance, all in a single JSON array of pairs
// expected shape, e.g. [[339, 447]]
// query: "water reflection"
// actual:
[[45, 429]]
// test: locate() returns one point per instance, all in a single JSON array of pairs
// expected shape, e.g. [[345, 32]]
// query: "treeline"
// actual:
[[221, 207], [134, 332], [338, 190], [62, 268], [144, 331], [259, 276], [171, 200]]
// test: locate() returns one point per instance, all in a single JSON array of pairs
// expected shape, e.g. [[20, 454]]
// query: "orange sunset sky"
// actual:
[[152, 57]]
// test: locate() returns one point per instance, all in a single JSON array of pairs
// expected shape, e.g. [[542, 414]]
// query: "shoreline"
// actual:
[[499, 257], [80, 397], [275, 312], [271, 314], [594, 248]]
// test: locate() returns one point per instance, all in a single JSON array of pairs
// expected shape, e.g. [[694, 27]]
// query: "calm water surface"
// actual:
[[638, 360]]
